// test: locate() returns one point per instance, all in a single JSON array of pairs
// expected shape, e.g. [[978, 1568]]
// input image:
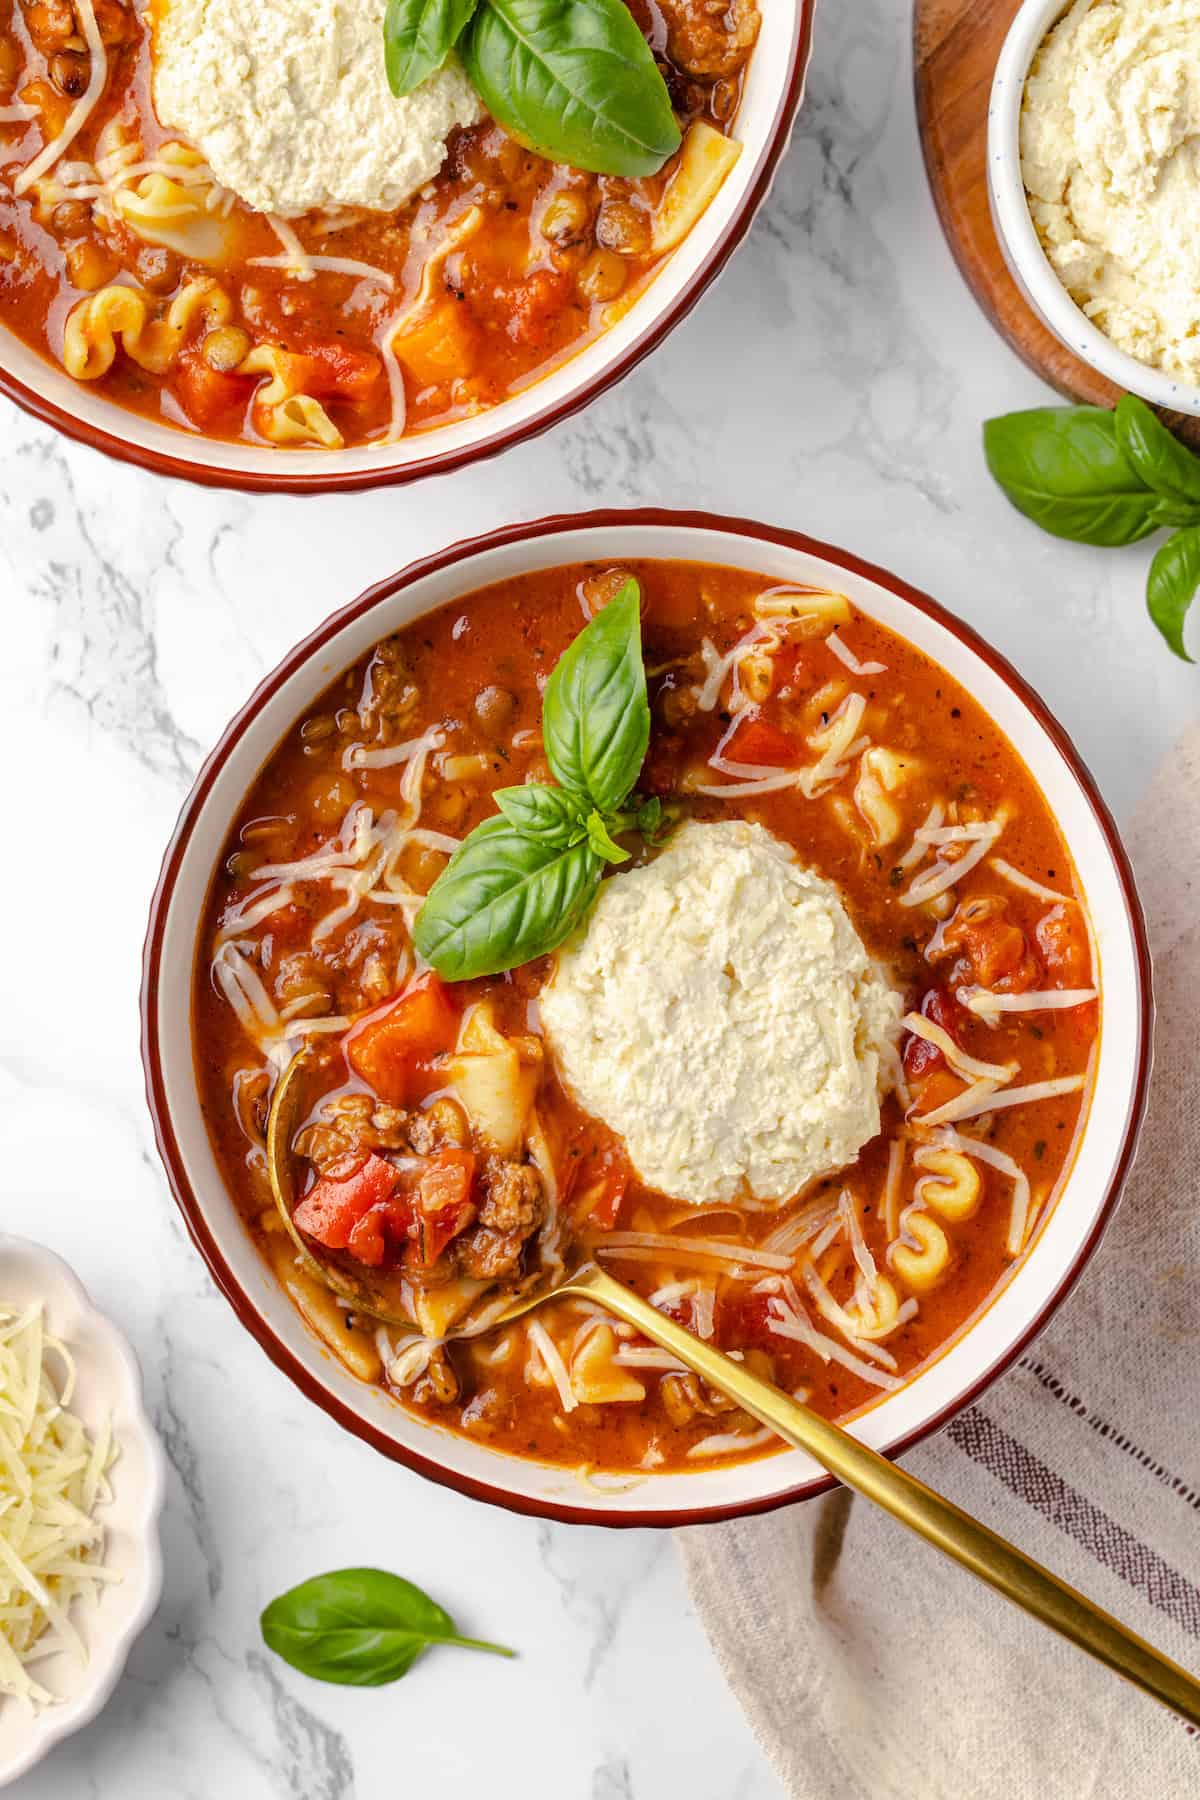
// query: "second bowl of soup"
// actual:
[[792, 970]]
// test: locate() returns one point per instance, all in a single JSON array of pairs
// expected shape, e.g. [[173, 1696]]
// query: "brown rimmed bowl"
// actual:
[[979, 1353], [771, 97]]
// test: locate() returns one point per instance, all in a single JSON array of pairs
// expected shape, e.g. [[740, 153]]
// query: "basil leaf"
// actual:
[[595, 715], [573, 80], [359, 1627], [1159, 458], [418, 36], [548, 814], [1063, 467], [1171, 586], [503, 899], [602, 842]]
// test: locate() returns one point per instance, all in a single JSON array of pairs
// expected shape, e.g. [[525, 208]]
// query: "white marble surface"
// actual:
[[835, 381]]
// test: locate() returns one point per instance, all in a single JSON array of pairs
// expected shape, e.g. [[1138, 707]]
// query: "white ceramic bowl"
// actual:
[[1030, 267], [771, 97], [109, 1385], [1019, 1309]]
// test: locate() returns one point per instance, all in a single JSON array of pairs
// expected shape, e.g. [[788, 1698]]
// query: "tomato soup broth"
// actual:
[[781, 707]]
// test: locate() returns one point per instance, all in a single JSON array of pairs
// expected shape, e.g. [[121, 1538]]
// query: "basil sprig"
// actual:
[[573, 80], [1107, 478], [360, 1627], [522, 880]]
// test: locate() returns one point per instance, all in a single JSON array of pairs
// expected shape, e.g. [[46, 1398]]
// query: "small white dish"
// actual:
[[1028, 263], [109, 1384]]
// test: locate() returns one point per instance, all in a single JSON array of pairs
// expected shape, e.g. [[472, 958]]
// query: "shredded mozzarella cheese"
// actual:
[[959, 1061], [728, 1443], [984, 1001], [553, 1363], [932, 882], [1028, 885], [620, 1242], [845, 655], [53, 1476], [83, 108]]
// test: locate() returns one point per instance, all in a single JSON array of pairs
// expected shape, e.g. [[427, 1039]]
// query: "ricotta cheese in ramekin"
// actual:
[[720, 1012], [1110, 158]]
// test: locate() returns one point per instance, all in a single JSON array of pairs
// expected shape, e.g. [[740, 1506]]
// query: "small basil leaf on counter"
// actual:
[[1063, 467], [503, 899], [549, 814], [418, 35], [575, 81], [1171, 586], [595, 714], [359, 1627], [602, 843], [1158, 457]]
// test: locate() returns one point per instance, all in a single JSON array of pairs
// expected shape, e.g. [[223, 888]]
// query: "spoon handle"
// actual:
[[940, 1523]]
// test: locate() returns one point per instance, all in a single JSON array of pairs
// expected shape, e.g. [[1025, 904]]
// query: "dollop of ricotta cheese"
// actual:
[[288, 102], [1110, 156], [719, 1010]]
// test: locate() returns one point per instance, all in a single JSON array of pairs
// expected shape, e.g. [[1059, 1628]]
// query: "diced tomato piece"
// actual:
[[920, 1057], [388, 1224], [603, 1194], [438, 1230], [446, 1179], [341, 373], [444, 1206], [934, 1089], [596, 1179], [605, 1213], [208, 395], [335, 1204], [752, 740], [391, 1044]]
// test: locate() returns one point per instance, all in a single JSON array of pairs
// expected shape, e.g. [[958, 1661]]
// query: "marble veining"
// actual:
[[835, 380]]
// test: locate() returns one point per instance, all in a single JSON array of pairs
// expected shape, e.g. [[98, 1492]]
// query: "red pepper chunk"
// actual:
[[391, 1044], [752, 740], [341, 1198]]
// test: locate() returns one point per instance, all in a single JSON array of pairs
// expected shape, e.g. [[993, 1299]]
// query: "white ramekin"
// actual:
[[1030, 267], [108, 1385]]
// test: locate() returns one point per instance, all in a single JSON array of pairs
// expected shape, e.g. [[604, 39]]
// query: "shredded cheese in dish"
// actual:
[[53, 1476]]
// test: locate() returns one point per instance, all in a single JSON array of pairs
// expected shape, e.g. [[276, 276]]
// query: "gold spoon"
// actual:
[[990, 1557]]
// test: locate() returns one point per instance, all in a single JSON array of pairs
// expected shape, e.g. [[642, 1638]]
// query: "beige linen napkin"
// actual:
[[869, 1665]]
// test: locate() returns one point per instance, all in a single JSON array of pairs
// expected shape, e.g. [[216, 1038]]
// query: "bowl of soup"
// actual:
[[831, 1037], [228, 251]]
